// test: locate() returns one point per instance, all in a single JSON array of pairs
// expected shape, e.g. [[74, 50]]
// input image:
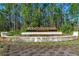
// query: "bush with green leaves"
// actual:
[[1, 45], [11, 33], [17, 32], [14, 33], [66, 28]]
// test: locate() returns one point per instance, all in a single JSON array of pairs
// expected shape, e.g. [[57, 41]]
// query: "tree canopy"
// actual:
[[19, 16]]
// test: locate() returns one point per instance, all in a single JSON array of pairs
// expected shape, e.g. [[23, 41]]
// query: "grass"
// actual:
[[69, 42], [73, 42]]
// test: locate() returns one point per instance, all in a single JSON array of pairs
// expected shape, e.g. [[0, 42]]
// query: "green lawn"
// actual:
[[73, 42]]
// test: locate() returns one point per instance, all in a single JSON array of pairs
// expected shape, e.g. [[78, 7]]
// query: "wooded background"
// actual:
[[18, 16]]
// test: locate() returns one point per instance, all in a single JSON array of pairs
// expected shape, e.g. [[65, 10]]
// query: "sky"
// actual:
[[65, 7], [1, 7]]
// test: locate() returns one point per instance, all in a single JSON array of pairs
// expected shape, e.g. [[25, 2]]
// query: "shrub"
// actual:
[[11, 33], [17, 32], [66, 28]]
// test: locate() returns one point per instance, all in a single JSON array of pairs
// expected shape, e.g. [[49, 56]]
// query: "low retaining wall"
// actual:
[[40, 38], [25, 36], [41, 33]]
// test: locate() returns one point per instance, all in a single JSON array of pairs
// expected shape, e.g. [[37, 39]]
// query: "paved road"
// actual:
[[41, 50]]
